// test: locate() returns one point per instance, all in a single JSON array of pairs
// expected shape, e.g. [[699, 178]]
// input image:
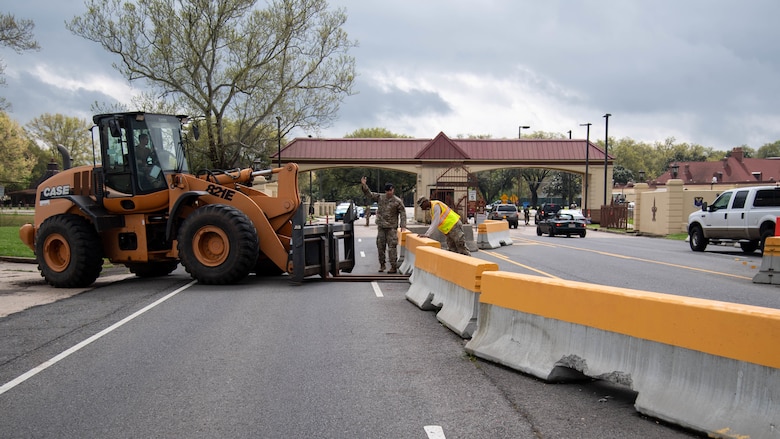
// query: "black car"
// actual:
[[561, 224]]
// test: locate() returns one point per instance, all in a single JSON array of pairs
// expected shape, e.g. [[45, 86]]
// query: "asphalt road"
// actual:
[[150, 358], [649, 264]]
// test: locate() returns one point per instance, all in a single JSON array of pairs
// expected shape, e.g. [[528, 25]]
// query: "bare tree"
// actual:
[[18, 35], [229, 60]]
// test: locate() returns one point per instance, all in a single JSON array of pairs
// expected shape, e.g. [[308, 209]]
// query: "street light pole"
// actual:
[[279, 139], [520, 130], [569, 134], [606, 148], [587, 159]]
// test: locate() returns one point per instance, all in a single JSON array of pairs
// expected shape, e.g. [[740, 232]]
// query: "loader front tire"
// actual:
[[68, 251], [218, 244]]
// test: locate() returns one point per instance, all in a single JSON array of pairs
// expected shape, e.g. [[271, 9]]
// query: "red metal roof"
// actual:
[[733, 169], [440, 148]]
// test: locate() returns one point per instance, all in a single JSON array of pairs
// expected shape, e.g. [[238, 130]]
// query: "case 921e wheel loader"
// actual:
[[142, 208]]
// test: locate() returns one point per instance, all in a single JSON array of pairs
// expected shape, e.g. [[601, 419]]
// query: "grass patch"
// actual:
[[677, 236], [11, 218], [11, 245]]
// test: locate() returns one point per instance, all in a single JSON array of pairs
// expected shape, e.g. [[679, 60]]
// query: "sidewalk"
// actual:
[[22, 286]]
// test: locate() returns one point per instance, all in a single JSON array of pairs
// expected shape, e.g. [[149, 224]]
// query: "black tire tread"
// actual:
[[244, 244], [86, 263]]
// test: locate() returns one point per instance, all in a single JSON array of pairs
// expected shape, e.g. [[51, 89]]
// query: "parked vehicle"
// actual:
[[562, 224], [745, 215], [372, 210], [505, 212], [342, 209]]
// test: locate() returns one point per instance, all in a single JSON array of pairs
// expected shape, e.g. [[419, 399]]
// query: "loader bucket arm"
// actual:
[[271, 216]]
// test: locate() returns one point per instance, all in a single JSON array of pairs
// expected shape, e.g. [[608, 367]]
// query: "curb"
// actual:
[[18, 259]]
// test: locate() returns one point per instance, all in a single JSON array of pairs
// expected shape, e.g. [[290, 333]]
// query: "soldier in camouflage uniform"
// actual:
[[390, 211]]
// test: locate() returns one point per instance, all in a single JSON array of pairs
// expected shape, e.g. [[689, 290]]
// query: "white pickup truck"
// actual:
[[746, 215]]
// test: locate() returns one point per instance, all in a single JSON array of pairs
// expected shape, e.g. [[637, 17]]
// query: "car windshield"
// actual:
[[507, 208], [572, 213], [342, 208]]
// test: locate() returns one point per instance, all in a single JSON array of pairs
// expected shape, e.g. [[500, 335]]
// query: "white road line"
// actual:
[[377, 290], [434, 432], [65, 354]]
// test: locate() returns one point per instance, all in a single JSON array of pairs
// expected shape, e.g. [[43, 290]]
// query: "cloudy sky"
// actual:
[[701, 71]]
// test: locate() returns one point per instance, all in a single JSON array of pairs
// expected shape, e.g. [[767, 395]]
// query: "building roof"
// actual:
[[440, 148], [733, 169]]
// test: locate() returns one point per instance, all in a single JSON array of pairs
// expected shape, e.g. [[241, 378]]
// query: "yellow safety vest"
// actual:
[[448, 217]]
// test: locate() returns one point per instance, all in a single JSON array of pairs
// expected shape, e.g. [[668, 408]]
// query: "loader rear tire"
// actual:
[[68, 251], [218, 244]]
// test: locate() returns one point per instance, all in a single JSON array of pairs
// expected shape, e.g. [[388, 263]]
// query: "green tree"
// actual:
[[769, 150], [493, 184], [18, 157], [228, 60], [71, 132], [565, 185], [18, 35]]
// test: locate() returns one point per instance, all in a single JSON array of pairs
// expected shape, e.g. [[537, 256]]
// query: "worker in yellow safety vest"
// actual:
[[447, 222]]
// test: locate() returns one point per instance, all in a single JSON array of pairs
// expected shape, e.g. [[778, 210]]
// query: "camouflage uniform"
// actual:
[[388, 212]]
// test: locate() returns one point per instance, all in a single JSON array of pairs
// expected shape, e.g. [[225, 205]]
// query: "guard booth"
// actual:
[[459, 189]]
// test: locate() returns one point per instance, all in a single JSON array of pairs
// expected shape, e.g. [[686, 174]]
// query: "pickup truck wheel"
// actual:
[[68, 251], [766, 233], [697, 240], [218, 244], [749, 247], [538, 231]]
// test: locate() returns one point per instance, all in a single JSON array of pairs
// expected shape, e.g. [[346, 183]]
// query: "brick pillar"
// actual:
[[639, 190], [675, 208]]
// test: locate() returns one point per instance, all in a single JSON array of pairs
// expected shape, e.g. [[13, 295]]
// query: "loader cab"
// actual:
[[139, 151]]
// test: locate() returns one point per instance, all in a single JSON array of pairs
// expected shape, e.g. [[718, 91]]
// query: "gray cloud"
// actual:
[[703, 71]]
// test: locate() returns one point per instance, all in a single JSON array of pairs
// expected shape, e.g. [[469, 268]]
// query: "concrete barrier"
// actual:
[[402, 245], [706, 365], [493, 234], [769, 273], [449, 282], [412, 242]]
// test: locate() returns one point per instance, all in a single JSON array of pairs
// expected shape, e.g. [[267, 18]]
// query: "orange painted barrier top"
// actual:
[[402, 236], [413, 241], [459, 269], [741, 332], [772, 247], [492, 226]]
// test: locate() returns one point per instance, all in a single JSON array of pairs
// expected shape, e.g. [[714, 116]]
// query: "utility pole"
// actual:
[[606, 148], [587, 159]]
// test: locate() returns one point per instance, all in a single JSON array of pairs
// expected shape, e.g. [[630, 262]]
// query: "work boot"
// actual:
[[381, 267], [392, 270]]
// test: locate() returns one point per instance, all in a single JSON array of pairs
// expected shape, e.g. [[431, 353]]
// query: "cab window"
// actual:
[[739, 200], [722, 202]]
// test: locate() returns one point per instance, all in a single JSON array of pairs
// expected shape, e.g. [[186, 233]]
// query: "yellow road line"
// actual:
[[527, 267]]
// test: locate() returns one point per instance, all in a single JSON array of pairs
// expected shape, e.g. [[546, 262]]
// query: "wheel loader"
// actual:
[[141, 207]]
